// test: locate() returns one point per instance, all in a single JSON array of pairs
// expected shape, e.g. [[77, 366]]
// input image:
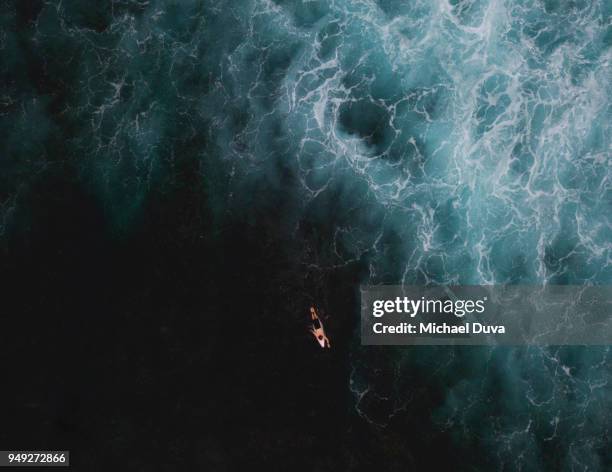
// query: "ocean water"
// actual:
[[426, 141], [463, 142]]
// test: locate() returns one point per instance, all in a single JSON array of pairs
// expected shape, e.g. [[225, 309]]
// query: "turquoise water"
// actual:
[[457, 142], [475, 134], [464, 142]]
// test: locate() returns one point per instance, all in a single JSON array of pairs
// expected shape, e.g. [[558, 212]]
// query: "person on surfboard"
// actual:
[[317, 329]]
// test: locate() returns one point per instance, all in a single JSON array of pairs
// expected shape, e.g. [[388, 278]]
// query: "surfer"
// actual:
[[317, 329]]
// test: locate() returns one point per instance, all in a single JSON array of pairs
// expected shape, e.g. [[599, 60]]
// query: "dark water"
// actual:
[[180, 181]]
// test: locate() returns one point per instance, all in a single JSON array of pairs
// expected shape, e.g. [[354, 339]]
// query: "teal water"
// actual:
[[464, 142], [457, 142]]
